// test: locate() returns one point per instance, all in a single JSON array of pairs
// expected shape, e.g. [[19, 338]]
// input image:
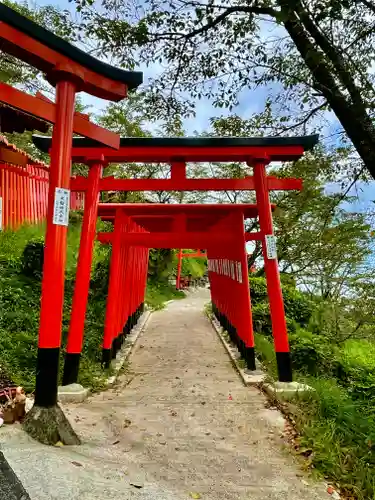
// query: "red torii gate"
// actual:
[[180, 256], [70, 70], [256, 152], [171, 226]]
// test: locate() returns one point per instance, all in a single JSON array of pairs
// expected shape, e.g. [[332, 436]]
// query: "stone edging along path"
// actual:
[[259, 378], [76, 393]]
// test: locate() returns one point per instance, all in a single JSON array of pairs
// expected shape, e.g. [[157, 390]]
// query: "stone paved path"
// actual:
[[169, 428]]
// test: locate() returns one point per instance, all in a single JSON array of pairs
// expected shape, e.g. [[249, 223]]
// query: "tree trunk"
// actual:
[[354, 119]]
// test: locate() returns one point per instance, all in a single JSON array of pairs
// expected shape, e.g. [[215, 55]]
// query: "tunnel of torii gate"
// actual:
[[218, 228], [257, 153]]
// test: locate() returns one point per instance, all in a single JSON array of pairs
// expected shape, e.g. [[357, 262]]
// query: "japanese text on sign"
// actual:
[[271, 246], [61, 207]]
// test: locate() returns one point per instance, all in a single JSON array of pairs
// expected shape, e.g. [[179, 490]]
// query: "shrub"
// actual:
[[32, 258], [261, 318], [12, 244], [258, 290], [312, 354], [357, 369], [160, 263], [298, 308]]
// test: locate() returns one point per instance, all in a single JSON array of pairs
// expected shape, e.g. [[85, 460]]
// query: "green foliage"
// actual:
[[312, 354], [20, 288], [266, 352], [159, 292], [12, 244], [340, 434], [160, 264], [32, 258], [19, 319], [20, 261], [337, 421], [357, 370], [298, 307], [216, 53], [195, 267]]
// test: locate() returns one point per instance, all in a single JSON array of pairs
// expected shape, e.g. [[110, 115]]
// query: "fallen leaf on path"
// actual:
[[195, 495], [127, 422], [59, 443], [77, 464], [116, 442], [136, 482]]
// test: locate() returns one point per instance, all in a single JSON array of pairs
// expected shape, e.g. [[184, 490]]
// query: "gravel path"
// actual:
[[179, 424]]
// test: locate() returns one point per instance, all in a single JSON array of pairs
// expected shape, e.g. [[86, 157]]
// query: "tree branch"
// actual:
[[227, 12], [368, 4], [309, 115]]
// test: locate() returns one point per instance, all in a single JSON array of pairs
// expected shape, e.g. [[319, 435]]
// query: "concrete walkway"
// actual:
[[179, 424]]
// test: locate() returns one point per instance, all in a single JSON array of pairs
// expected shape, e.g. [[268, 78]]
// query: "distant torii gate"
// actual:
[[180, 256], [256, 152]]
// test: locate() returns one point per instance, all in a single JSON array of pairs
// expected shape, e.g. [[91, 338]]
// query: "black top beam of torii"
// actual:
[[174, 149]]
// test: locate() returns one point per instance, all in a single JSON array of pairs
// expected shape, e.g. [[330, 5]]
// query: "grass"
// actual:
[[158, 293], [266, 353], [337, 432], [341, 435]]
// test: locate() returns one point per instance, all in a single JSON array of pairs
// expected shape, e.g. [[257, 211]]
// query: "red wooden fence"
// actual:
[[24, 191]]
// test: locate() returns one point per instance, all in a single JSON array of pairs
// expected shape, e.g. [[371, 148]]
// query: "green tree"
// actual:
[[320, 241], [314, 55], [16, 72]]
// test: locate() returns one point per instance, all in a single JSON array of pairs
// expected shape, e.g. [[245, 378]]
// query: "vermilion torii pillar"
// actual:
[[275, 296], [179, 267], [82, 283], [70, 70], [230, 293], [127, 284]]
